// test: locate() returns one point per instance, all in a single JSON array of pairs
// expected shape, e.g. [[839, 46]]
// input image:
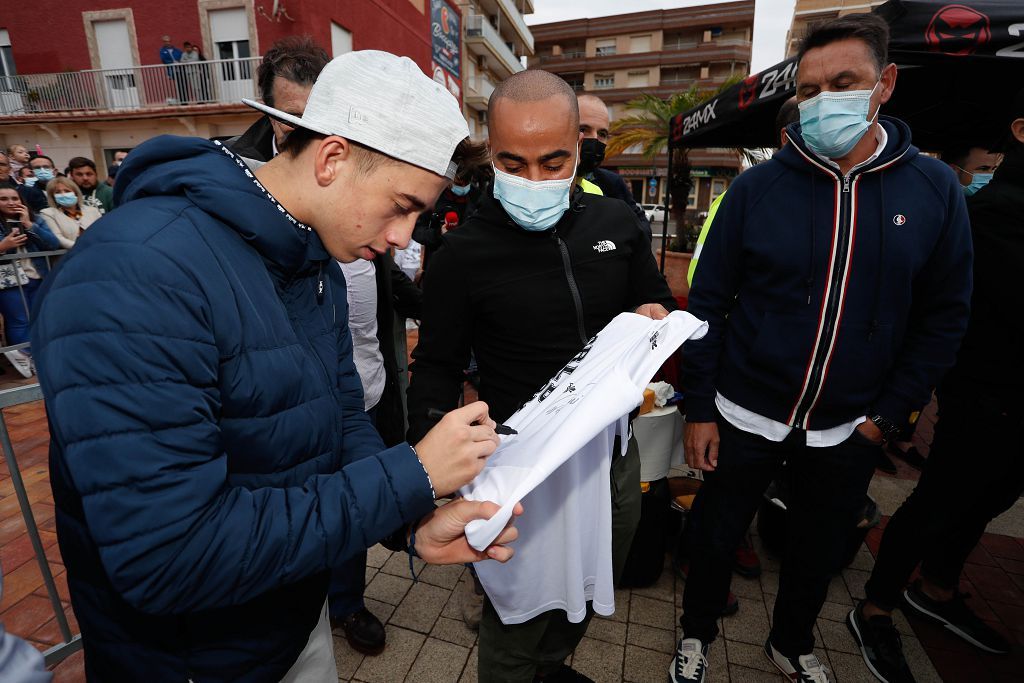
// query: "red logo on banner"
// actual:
[[958, 30], [748, 91]]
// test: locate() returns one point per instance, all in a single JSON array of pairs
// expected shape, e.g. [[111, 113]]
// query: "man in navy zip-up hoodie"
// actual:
[[836, 283]]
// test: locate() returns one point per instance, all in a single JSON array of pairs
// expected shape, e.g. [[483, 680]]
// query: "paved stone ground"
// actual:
[[428, 641]]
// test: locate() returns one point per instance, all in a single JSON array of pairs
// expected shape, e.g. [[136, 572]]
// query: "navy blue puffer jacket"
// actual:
[[196, 363]]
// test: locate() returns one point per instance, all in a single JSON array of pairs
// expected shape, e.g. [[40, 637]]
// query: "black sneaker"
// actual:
[[880, 645], [363, 631], [805, 668], [690, 662], [956, 616], [564, 674]]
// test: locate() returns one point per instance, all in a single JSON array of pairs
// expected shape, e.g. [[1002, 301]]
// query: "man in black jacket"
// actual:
[[525, 283], [981, 413], [595, 125], [285, 76]]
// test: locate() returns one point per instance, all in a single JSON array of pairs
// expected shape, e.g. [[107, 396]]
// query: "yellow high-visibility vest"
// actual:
[[712, 210]]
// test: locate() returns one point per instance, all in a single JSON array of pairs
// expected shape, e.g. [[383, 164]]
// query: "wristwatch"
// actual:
[[888, 428]]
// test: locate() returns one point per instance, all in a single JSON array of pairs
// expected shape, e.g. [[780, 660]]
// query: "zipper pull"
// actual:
[[320, 284], [846, 183]]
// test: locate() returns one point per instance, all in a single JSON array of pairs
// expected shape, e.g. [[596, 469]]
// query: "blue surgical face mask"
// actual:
[[979, 181], [535, 205], [832, 123], [461, 190], [65, 199], [44, 174], [29, 180]]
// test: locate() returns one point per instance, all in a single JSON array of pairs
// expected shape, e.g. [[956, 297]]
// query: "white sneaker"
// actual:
[[802, 669], [690, 662], [21, 361]]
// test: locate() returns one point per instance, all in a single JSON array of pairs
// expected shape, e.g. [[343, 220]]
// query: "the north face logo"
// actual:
[[603, 246]]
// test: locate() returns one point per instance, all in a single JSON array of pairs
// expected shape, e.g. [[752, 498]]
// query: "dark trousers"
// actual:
[[15, 305], [348, 579], [515, 653], [975, 471], [829, 486]]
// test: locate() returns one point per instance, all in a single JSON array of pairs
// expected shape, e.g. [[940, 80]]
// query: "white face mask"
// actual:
[[535, 205]]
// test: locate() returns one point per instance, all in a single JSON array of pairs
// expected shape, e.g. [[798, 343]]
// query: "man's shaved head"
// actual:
[[534, 85]]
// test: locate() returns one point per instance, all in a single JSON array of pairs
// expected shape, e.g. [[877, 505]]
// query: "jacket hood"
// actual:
[[898, 147], [218, 182]]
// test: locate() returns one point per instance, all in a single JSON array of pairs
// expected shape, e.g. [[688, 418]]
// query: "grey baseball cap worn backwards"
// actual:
[[386, 103]]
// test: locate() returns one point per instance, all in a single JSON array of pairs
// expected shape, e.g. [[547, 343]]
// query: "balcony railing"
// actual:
[[479, 30], [220, 81]]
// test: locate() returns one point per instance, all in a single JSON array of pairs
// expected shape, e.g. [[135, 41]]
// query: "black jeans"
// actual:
[[829, 486], [975, 471]]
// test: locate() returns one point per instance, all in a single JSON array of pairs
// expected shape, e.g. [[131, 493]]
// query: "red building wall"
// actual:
[[45, 42]]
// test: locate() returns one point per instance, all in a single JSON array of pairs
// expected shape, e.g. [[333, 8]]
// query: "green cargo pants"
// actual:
[[518, 652]]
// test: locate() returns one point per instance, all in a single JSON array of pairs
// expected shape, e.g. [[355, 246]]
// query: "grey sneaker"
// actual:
[[690, 662], [802, 669]]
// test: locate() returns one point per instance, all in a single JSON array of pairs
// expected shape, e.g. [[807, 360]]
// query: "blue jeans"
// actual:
[[14, 311], [348, 579]]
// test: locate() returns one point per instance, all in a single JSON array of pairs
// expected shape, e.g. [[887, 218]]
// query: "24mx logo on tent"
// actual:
[[958, 30]]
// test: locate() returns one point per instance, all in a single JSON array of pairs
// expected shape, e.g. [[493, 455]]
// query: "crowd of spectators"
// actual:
[[43, 209]]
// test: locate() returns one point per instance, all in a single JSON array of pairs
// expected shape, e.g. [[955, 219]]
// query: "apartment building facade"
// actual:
[[88, 80], [659, 52], [806, 13]]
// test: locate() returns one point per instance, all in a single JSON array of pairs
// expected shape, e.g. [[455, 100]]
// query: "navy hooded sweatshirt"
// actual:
[[831, 297], [210, 458]]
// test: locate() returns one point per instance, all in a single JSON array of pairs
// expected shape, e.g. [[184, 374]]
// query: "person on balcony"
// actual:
[[170, 56], [68, 216]]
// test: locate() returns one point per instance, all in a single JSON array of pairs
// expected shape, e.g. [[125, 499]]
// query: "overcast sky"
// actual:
[[771, 19]]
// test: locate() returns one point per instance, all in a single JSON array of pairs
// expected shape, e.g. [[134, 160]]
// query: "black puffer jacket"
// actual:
[[525, 302], [989, 366]]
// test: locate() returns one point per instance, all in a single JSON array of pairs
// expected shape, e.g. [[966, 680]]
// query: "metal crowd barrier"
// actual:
[[72, 642], [16, 397]]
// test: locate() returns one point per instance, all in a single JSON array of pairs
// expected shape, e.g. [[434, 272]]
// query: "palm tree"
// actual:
[[648, 128]]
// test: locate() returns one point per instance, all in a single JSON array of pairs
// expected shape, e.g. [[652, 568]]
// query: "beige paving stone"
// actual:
[[469, 673], [836, 637], [770, 582], [607, 630], [741, 674], [398, 565], [746, 588], [453, 608], [381, 610], [834, 612], [454, 631], [651, 612], [370, 573], [748, 655], [855, 580], [621, 605], [863, 560], [922, 667], [645, 666], [662, 589], [388, 588], [398, 658], [749, 625], [377, 556], [345, 658], [439, 662], [445, 576], [837, 592], [849, 668], [651, 638], [718, 664], [599, 660], [421, 607]]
